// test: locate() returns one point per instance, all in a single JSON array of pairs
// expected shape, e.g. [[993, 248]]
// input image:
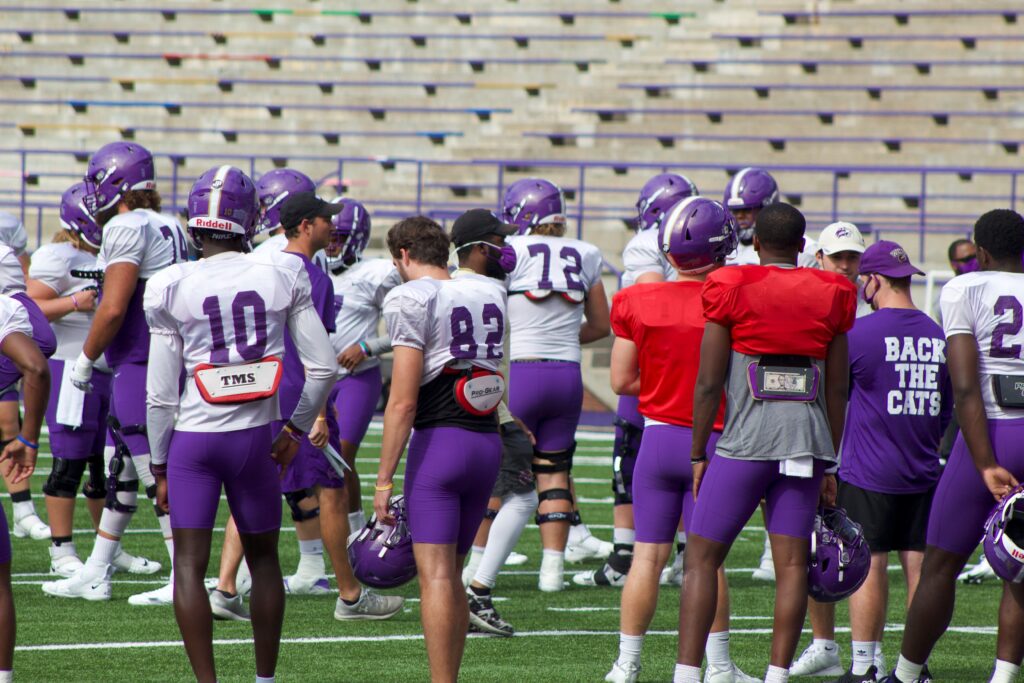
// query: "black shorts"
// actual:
[[890, 521], [516, 474]]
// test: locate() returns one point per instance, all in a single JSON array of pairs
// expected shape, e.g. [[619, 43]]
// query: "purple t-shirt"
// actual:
[[323, 301], [900, 402]]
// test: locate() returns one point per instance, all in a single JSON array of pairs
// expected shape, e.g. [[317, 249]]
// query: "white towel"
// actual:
[[70, 401], [802, 467]]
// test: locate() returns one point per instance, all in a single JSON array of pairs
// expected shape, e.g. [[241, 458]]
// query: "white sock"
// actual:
[[1004, 672], [578, 533], [552, 560], [314, 546], [103, 551], [629, 648], [680, 537], [243, 572], [623, 536], [62, 550], [686, 674], [717, 650], [776, 674], [6, 676], [356, 520], [311, 558], [169, 543], [264, 679], [906, 670], [863, 656], [23, 509], [825, 643], [516, 510], [767, 553]]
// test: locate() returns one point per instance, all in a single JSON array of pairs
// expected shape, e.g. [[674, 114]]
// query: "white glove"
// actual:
[[81, 373]]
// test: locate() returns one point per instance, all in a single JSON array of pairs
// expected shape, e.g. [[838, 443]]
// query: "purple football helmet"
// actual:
[[223, 200], [350, 233], [1004, 537], [273, 188], [697, 234], [659, 194], [839, 559], [749, 191], [115, 169], [532, 201], [76, 218], [381, 555]]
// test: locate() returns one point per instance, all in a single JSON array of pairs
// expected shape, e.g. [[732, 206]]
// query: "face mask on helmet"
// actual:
[[839, 559], [381, 554], [1004, 537]]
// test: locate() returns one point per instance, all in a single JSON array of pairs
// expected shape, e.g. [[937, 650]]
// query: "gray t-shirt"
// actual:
[[772, 430]]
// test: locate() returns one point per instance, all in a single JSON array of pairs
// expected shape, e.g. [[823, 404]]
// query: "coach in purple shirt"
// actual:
[[900, 403]]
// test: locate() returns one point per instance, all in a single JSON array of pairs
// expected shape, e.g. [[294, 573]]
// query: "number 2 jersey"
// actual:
[[990, 306], [150, 241], [230, 309], [546, 293], [457, 324]]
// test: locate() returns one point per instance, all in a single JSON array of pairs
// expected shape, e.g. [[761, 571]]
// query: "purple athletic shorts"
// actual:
[[732, 490], [42, 335], [77, 443], [5, 539], [628, 409], [128, 403], [310, 469], [448, 479], [199, 463], [548, 398], [356, 397], [962, 502], [663, 482]]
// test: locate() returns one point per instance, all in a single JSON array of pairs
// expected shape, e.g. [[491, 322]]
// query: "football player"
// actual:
[[982, 313], [273, 188], [643, 261], [447, 340], [782, 361], [746, 194], [137, 243], [556, 304], [77, 421], [222, 321], [658, 329], [18, 459]]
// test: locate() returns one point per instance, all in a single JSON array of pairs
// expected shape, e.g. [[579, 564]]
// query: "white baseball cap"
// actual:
[[841, 236]]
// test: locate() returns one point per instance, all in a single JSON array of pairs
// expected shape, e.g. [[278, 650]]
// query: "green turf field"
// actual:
[[567, 636]]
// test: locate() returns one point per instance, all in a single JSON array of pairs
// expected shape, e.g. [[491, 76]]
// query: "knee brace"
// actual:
[[122, 484], [624, 452], [558, 461], [95, 488], [554, 494], [490, 514], [293, 498], [65, 476]]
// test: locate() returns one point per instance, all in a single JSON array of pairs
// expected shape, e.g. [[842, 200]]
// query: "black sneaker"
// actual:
[[926, 675], [850, 677], [484, 618]]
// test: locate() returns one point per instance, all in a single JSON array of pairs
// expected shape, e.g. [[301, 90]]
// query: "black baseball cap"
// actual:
[[477, 224], [306, 206]]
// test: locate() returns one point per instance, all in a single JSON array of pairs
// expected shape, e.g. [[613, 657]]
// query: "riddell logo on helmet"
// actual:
[[1016, 553], [213, 223]]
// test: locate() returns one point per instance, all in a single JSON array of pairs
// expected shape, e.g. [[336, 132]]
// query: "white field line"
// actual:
[[898, 628]]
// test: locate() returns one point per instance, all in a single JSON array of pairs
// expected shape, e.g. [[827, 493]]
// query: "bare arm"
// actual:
[[625, 368], [399, 415], [119, 283], [597, 315], [649, 277], [55, 307], [36, 386], [837, 387], [707, 394]]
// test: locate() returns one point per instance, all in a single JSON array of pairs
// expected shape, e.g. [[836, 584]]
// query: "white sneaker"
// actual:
[[590, 548], [672, 575], [552, 574], [766, 568], [66, 566], [623, 672], [978, 572], [605, 576], [730, 675], [880, 671], [126, 562], [154, 598], [515, 559], [818, 660], [86, 584], [228, 609], [31, 526], [298, 584], [371, 606]]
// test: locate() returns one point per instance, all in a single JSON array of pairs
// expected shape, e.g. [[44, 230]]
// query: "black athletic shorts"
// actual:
[[890, 521], [516, 474]]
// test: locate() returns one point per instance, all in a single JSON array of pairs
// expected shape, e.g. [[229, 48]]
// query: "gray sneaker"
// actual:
[[371, 605], [228, 608]]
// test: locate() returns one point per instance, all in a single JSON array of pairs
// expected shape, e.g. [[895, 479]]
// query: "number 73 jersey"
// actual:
[[990, 306], [456, 322]]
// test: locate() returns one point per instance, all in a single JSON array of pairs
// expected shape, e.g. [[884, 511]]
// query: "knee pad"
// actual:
[[554, 494], [95, 487], [490, 514], [65, 476], [293, 498], [558, 461]]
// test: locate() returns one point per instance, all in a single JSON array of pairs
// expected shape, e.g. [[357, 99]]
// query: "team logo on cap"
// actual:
[[899, 255], [843, 231]]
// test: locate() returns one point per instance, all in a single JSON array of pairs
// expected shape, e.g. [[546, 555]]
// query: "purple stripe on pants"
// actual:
[[663, 482], [548, 398], [448, 480], [128, 403], [962, 502], [76, 443], [357, 396], [732, 489], [42, 335], [199, 463]]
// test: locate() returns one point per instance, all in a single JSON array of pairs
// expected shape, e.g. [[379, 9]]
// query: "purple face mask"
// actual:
[[969, 266], [500, 260], [869, 299]]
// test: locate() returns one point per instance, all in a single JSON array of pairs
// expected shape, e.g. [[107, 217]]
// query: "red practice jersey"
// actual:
[[666, 322]]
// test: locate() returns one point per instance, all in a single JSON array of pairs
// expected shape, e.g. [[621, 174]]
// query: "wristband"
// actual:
[[84, 361], [158, 470], [697, 461], [293, 433], [390, 485], [74, 302], [365, 348], [33, 446], [321, 419]]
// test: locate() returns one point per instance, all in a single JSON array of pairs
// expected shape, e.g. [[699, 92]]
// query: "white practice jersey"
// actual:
[[52, 265], [359, 294], [546, 324], [12, 277], [229, 309], [457, 322], [746, 256], [13, 318], [12, 233], [990, 306], [278, 242], [150, 240], [643, 255]]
